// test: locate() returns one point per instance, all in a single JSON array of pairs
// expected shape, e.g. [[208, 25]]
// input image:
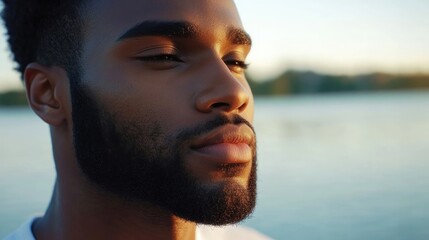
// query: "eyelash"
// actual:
[[161, 58], [175, 58]]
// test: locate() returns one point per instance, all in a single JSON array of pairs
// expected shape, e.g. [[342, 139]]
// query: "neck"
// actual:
[[80, 210], [92, 214]]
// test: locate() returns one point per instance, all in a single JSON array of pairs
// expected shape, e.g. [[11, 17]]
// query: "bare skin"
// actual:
[[125, 78]]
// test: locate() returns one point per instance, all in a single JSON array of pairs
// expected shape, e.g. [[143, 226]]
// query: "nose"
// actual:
[[222, 90]]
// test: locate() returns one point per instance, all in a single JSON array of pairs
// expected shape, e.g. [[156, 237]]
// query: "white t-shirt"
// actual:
[[203, 232]]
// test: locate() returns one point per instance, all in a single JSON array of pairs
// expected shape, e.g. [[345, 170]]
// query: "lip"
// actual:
[[229, 144]]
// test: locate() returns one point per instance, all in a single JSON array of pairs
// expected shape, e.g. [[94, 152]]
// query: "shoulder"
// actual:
[[206, 232], [23, 232]]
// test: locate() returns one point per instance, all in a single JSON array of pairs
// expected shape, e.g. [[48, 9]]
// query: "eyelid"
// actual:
[[156, 50], [159, 53]]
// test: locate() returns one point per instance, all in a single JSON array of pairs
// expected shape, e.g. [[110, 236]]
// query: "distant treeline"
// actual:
[[13, 98], [303, 82]]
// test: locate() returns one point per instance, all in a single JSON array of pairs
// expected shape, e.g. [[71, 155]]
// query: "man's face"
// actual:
[[163, 111]]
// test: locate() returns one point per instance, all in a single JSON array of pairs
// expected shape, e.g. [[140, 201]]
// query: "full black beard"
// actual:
[[137, 161]]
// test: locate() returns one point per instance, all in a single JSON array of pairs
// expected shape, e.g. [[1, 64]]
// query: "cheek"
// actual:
[[149, 103], [130, 91]]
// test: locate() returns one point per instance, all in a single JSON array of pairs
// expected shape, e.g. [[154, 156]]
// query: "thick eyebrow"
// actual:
[[179, 29], [239, 36]]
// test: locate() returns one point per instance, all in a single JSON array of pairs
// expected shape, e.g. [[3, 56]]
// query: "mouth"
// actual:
[[229, 144]]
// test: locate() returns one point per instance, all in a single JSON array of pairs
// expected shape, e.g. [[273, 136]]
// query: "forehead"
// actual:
[[108, 19]]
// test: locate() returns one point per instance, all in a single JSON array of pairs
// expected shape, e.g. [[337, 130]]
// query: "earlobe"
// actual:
[[43, 86]]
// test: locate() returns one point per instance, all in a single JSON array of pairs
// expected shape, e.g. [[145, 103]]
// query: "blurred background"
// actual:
[[342, 119]]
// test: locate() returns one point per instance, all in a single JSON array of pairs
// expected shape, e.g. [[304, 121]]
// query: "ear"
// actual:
[[47, 92]]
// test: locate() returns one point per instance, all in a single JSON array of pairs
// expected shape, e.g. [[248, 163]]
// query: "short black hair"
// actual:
[[49, 32]]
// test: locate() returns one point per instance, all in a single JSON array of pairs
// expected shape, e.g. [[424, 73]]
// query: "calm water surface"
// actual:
[[330, 167]]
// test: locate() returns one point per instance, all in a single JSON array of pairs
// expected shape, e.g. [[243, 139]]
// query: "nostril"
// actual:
[[220, 105]]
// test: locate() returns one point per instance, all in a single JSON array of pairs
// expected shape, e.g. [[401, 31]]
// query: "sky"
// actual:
[[329, 36]]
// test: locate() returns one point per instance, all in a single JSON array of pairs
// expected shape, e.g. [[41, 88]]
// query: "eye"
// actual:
[[160, 58], [237, 65], [160, 61]]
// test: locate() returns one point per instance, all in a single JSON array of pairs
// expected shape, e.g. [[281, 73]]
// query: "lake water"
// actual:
[[331, 167]]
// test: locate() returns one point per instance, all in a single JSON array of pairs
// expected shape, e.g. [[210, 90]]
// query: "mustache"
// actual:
[[210, 125]]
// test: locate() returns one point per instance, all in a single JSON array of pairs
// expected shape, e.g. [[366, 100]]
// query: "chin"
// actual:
[[228, 196]]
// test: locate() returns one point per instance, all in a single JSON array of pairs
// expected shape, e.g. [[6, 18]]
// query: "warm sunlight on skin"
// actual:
[[151, 117]]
